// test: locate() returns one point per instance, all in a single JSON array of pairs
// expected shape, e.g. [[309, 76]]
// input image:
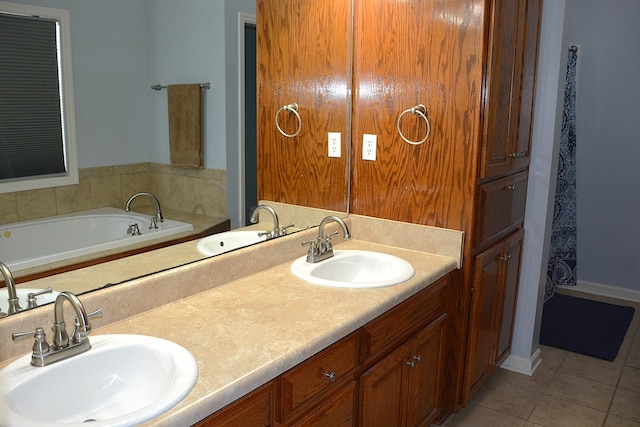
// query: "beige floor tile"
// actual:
[[552, 357], [633, 358], [630, 379], [616, 421], [554, 412], [591, 368], [475, 415], [508, 398], [626, 404], [581, 391], [539, 381]]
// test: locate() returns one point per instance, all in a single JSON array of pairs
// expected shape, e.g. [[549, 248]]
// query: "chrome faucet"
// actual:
[[14, 304], [277, 231], [63, 347], [321, 248], [158, 217]]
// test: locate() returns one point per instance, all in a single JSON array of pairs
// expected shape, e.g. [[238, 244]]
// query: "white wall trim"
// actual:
[[523, 365], [605, 290]]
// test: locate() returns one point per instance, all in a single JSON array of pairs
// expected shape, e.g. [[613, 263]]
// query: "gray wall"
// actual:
[[122, 47], [608, 139]]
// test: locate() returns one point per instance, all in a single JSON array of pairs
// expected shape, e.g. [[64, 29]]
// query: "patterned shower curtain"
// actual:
[[561, 269]]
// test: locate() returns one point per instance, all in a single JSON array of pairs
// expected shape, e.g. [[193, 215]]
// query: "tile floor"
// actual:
[[567, 389]]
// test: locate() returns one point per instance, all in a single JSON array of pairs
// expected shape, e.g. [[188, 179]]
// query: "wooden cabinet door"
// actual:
[[303, 58], [481, 343], [528, 80], [502, 86], [427, 351], [383, 390], [511, 275], [253, 410], [336, 411], [406, 54]]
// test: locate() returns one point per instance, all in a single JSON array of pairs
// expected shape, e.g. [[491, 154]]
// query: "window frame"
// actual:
[[71, 176]]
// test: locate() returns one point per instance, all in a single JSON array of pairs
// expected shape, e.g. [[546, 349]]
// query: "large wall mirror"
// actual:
[[120, 48]]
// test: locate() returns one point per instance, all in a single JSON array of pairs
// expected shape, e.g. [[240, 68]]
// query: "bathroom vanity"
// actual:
[[294, 352]]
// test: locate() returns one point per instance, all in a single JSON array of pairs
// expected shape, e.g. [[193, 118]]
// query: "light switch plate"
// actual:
[[369, 143], [334, 144]]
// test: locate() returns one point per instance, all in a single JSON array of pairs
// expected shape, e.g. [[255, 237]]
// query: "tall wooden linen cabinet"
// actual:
[[447, 88]]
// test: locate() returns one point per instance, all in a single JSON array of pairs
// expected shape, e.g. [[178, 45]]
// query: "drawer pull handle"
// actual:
[[510, 187], [515, 155], [330, 375], [506, 257]]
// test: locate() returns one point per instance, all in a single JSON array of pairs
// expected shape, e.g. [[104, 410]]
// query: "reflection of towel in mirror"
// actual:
[[185, 127]]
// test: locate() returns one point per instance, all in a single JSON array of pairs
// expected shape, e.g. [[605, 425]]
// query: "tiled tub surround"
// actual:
[[235, 312], [197, 191]]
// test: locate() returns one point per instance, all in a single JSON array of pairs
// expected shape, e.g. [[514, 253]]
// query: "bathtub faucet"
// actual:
[[14, 304], [158, 216]]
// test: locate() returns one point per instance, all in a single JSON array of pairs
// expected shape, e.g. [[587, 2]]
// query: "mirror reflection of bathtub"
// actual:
[[37, 243]]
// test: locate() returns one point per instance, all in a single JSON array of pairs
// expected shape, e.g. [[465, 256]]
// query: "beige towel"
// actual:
[[185, 125]]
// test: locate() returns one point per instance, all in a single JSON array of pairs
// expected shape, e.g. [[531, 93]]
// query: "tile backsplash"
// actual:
[[199, 191]]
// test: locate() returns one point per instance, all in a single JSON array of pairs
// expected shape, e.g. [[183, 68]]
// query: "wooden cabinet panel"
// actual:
[[253, 410], [317, 375], [304, 57], [495, 287], [402, 321], [501, 204], [403, 388], [484, 294], [528, 81], [383, 391], [503, 87], [406, 54], [425, 380], [513, 255], [336, 411]]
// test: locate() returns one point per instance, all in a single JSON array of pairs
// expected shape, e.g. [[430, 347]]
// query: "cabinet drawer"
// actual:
[[501, 204], [404, 320], [324, 371]]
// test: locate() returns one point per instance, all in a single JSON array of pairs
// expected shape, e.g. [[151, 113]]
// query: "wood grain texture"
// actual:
[[408, 53], [304, 57]]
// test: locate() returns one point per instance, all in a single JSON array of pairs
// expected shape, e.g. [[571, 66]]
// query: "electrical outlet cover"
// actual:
[[369, 143]]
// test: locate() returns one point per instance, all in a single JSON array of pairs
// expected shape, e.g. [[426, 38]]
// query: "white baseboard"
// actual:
[[605, 290], [522, 365]]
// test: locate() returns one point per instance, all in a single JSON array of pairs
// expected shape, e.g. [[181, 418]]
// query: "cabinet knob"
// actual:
[[514, 155], [411, 363], [510, 187], [505, 258], [332, 376]]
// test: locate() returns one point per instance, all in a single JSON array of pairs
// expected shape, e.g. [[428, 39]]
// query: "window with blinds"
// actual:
[[34, 148]]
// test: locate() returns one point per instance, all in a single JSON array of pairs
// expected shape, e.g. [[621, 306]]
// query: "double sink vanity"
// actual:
[[302, 342]]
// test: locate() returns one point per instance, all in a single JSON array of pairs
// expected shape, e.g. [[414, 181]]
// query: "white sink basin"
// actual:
[[23, 294], [122, 380], [220, 243], [355, 269]]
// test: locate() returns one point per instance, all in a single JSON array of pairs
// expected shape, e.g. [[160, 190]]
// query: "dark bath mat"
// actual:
[[584, 326]]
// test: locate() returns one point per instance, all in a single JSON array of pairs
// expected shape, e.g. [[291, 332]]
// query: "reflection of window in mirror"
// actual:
[[37, 119]]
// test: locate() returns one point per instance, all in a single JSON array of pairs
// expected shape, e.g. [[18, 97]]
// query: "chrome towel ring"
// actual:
[[421, 111], [292, 108]]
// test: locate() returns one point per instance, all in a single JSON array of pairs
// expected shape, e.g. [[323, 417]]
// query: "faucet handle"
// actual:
[[78, 334], [283, 230], [40, 345], [31, 297]]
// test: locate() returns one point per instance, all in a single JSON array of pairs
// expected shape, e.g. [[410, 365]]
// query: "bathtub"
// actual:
[[34, 243]]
